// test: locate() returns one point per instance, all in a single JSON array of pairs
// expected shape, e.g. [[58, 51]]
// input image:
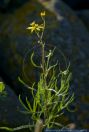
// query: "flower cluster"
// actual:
[[37, 27]]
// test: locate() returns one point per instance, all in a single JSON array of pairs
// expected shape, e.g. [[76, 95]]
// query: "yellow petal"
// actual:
[[42, 13], [38, 29], [29, 28], [33, 23]]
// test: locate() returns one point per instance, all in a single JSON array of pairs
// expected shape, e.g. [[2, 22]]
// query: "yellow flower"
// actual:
[[35, 27], [42, 13]]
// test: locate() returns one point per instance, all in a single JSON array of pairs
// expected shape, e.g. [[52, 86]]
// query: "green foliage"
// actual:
[[49, 99], [2, 87], [3, 93]]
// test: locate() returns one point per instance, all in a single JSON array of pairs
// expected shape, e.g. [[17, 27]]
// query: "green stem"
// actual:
[[43, 61], [17, 128], [42, 44], [44, 80], [39, 126]]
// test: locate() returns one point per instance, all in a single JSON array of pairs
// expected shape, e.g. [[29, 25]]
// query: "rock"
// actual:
[[4, 3], [77, 4], [64, 30], [68, 21], [7, 6], [84, 16], [10, 110], [77, 53]]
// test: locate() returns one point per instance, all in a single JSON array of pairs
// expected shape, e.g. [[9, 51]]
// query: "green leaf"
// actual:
[[31, 88], [29, 105], [23, 104], [2, 87], [32, 61]]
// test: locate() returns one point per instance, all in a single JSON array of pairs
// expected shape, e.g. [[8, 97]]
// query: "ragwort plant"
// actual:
[[49, 99]]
